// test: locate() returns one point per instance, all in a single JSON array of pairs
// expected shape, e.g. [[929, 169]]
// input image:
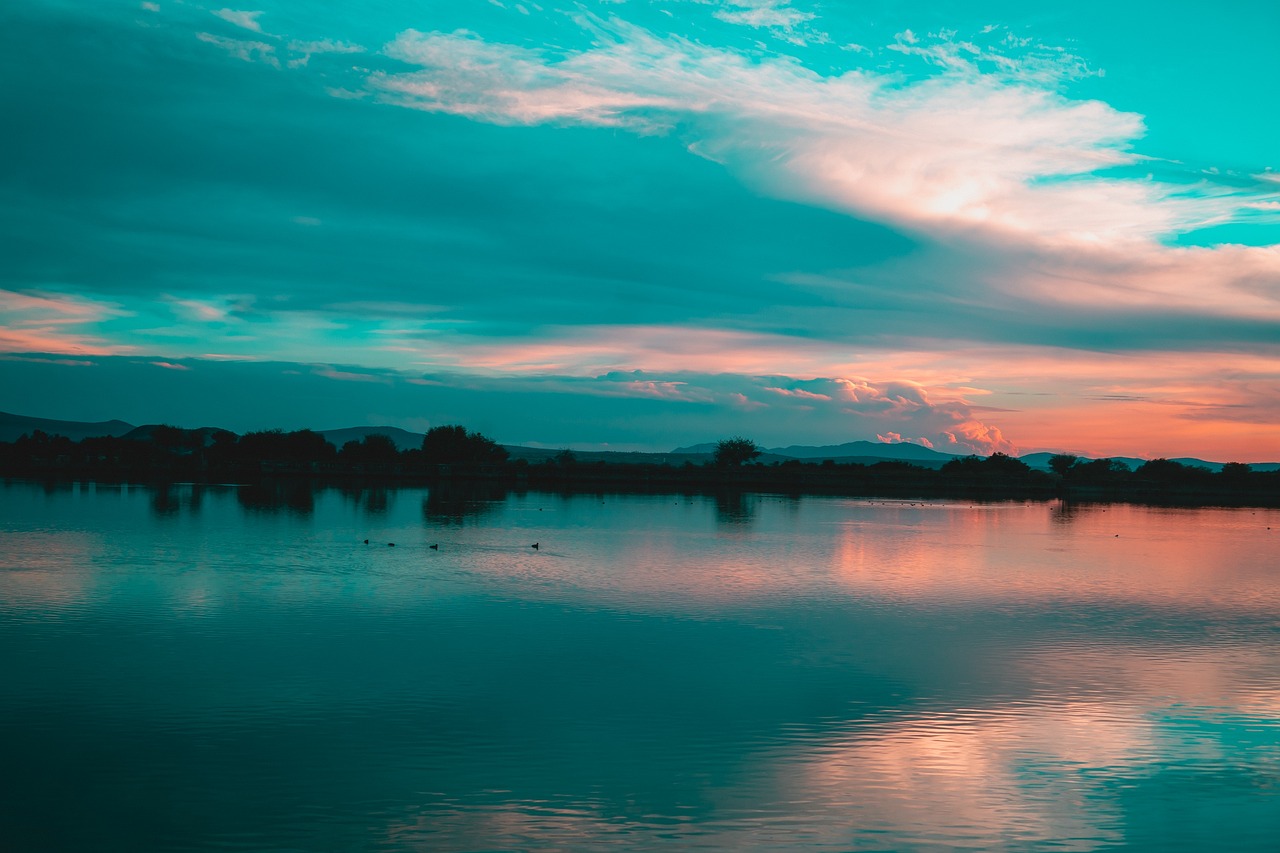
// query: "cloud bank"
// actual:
[[747, 192]]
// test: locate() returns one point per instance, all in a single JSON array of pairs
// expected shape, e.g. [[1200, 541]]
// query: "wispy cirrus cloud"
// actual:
[[777, 16], [211, 309], [46, 322], [1035, 233], [247, 20], [329, 372], [941, 207], [297, 53], [966, 147], [243, 49], [302, 51]]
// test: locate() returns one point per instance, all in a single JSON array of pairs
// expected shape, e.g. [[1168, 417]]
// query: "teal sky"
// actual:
[[977, 226]]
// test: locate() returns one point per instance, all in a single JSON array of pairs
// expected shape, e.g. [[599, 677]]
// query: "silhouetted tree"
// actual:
[[1099, 472], [169, 437], [373, 448], [303, 445], [1061, 463], [1235, 473], [1005, 466], [1166, 472], [966, 466], [998, 467], [731, 452], [444, 445]]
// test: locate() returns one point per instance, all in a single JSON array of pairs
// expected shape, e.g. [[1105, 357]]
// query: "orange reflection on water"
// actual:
[[1239, 677], [1030, 774], [48, 569], [1189, 558]]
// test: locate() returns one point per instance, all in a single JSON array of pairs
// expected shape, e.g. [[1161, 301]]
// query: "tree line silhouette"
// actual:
[[452, 453]]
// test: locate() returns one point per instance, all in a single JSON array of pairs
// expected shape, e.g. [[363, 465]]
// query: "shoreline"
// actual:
[[494, 487]]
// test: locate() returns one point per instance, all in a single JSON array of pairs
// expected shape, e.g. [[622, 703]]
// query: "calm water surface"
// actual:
[[221, 668]]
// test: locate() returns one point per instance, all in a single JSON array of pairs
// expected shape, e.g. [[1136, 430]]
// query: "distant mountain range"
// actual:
[[870, 452], [1040, 462], [403, 439], [863, 452], [13, 427]]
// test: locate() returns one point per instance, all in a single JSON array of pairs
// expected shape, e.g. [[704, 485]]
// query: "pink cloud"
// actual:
[[65, 362], [1002, 151], [347, 376], [800, 393], [50, 322]]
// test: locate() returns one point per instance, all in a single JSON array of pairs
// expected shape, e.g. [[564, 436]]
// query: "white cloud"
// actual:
[[963, 148], [996, 167], [763, 13], [304, 50], [779, 17], [505, 84], [220, 309], [248, 51], [248, 20]]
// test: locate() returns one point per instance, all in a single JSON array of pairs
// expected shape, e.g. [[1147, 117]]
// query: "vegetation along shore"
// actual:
[[453, 454]]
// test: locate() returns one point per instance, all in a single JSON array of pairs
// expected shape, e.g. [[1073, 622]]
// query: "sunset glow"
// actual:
[[650, 224]]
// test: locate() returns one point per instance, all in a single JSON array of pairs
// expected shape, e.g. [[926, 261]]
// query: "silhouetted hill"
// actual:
[[147, 432], [863, 452], [13, 427], [1040, 462], [873, 449], [404, 440], [542, 454]]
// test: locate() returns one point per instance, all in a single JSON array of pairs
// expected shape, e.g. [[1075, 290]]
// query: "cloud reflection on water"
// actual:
[[839, 674]]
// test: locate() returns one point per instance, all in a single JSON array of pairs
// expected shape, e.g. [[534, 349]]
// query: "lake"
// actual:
[[200, 668]]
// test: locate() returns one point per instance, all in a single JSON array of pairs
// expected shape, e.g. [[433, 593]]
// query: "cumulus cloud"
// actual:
[[896, 438], [842, 407]]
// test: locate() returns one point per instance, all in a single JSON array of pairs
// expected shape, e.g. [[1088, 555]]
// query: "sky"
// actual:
[[977, 226]]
